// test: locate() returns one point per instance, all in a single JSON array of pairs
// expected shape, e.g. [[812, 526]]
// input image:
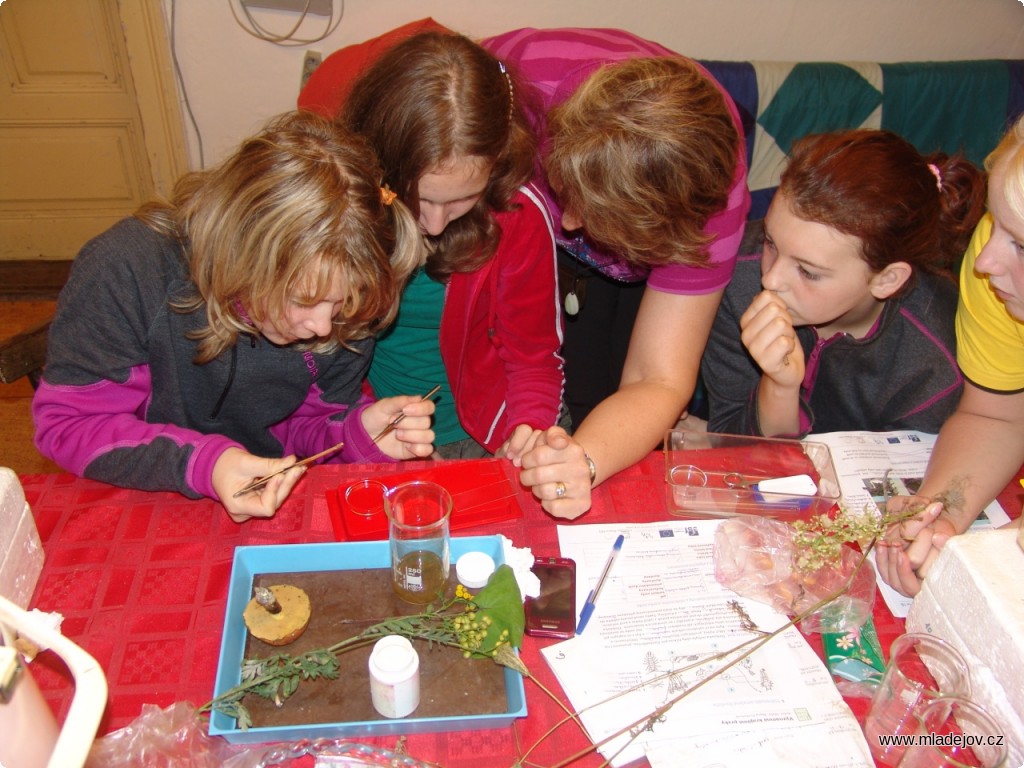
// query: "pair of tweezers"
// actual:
[[394, 422], [259, 482]]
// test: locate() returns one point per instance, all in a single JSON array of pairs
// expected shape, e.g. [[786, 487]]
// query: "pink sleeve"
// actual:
[[555, 61], [303, 433], [77, 425]]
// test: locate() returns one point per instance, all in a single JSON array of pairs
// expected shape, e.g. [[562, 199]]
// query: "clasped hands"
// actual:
[[554, 466]]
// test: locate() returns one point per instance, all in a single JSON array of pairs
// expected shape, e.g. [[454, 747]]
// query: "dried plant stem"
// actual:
[[748, 648]]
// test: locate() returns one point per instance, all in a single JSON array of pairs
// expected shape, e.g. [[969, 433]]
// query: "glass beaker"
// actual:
[[418, 517], [921, 669]]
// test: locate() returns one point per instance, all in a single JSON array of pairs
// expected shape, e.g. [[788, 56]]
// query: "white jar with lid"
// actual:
[[394, 676], [474, 569]]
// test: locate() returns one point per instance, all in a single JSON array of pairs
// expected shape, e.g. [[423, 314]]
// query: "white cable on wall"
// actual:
[[181, 84], [255, 29]]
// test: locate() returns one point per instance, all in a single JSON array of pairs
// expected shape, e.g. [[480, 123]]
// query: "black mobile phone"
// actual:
[[553, 612]]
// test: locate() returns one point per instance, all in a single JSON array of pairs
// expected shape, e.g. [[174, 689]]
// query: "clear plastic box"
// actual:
[[709, 474]]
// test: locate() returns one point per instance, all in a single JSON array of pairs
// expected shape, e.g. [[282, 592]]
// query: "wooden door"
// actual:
[[89, 120]]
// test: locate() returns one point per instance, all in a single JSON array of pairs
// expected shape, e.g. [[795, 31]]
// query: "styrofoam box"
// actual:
[[12, 503], [21, 551], [307, 558], [972, 599]]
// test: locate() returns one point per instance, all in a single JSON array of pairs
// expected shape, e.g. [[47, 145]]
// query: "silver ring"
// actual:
[[559, 489]]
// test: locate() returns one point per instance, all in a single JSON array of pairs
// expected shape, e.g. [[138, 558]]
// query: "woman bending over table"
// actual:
[[210, 340], [645, 171]]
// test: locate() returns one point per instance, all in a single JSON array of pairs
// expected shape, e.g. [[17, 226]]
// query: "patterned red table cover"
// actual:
[[141, 580]]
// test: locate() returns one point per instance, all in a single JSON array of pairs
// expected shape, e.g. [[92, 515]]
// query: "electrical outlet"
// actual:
[[310, 62]]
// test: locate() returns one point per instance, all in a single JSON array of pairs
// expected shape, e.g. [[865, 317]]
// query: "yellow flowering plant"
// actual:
[[479, 625]]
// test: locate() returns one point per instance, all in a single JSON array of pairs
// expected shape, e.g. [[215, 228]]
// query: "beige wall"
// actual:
[[235, 82]]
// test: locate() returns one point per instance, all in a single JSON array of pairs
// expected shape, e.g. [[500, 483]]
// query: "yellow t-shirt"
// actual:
[[990, 341]]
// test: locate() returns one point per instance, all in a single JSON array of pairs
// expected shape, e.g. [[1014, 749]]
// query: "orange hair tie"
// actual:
[[386, 195]]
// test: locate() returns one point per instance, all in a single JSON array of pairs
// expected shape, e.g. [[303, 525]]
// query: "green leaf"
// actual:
[[291, 684], [502, 601]]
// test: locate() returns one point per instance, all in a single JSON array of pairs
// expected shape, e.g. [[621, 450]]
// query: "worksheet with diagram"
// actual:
[[665, 661]]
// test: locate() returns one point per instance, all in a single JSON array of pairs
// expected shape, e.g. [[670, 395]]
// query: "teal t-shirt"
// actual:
[[407, 358]]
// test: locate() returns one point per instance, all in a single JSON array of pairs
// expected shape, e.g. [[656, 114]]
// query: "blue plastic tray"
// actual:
[[303, 558]]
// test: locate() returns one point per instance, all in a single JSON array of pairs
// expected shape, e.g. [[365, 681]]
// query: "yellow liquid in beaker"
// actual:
[[419, 577]]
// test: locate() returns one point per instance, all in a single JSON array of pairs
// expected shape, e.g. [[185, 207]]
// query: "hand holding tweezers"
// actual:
[[394, 422], [260, 482]]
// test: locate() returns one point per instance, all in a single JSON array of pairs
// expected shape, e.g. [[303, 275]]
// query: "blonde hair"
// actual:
[[297, 207], [644, 153], [1010, 151]]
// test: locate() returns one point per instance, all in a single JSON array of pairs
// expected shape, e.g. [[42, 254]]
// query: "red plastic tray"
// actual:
[[482, 492]]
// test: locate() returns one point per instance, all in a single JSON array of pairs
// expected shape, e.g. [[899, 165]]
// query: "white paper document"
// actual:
[[861, 461], [661, 628]]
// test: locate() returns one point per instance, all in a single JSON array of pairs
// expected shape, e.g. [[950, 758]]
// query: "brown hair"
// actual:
[[435, 98], [644, 153], [302, 195], [1011, 149], [876, 186]]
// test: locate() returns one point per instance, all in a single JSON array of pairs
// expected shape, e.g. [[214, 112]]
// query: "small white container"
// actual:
[[474, 569], [394, 676]]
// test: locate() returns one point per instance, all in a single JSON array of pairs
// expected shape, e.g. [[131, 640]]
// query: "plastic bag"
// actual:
[[754, 557], [176, 737]]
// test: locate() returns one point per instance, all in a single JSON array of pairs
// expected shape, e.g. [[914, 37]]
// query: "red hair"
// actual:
[[876, 186]]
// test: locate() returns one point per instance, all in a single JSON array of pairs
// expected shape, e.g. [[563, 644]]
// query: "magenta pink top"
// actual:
[[554, 62]]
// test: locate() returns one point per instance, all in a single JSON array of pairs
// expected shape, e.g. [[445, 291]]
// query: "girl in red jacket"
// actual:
[[482, 317]]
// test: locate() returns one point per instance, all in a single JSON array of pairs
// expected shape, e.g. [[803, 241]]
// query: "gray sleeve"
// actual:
[[730, 375]]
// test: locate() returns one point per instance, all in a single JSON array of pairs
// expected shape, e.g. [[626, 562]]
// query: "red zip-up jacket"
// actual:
[[501, 330], [501, 327]]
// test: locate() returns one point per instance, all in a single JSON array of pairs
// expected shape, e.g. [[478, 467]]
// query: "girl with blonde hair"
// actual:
[[209, 340], [981, 446]]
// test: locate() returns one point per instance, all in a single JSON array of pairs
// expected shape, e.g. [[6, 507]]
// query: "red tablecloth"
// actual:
[[141, 580]]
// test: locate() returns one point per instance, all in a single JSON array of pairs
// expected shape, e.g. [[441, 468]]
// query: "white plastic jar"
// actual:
[[474, 569], [394, 676]]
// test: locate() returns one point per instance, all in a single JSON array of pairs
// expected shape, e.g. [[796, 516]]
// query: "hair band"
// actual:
[[511, 93], [386, 195], [937, 174]]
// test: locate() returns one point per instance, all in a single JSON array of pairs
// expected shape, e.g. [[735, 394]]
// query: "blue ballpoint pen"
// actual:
[[588, 607]]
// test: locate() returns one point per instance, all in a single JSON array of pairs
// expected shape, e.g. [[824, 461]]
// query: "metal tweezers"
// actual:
[[259, 482], [394, 422]]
